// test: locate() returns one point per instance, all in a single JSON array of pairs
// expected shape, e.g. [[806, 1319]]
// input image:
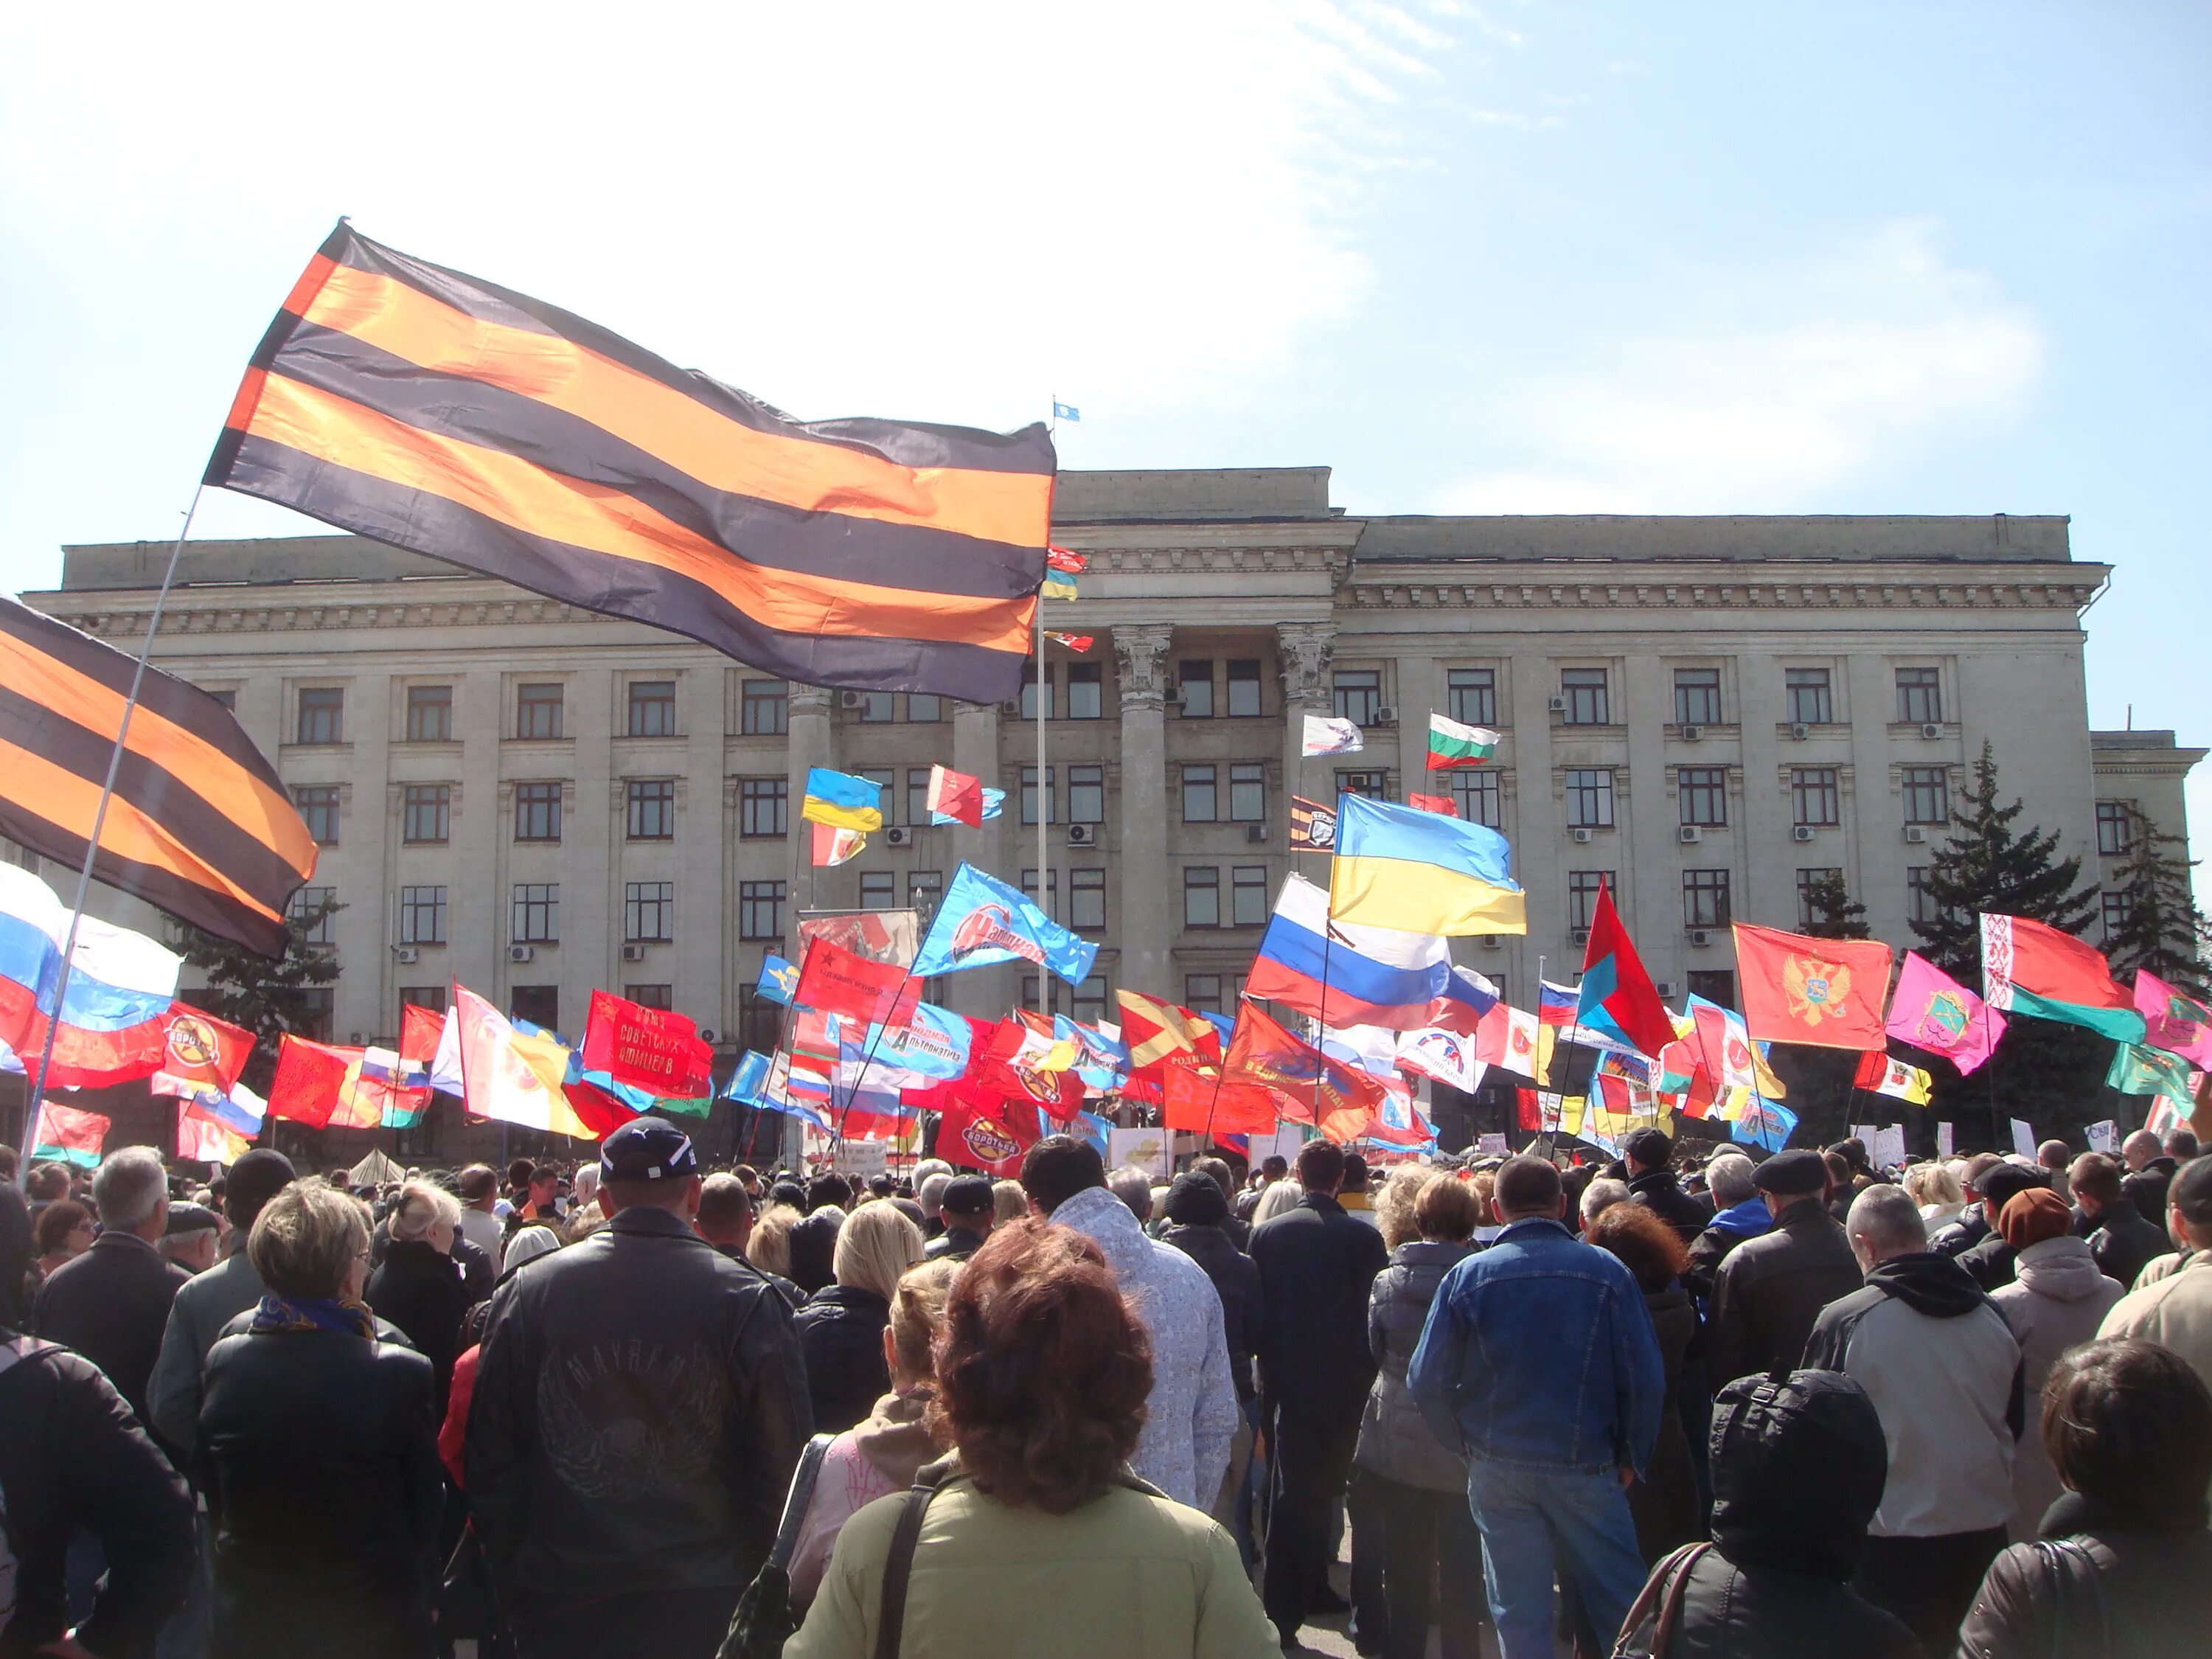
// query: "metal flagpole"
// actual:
[[1044, 799], [98, 820]]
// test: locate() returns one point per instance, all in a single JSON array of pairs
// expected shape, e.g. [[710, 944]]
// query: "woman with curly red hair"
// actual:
[[1033, 1537]]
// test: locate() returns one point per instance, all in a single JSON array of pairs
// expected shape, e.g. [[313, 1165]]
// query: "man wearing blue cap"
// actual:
[[639, 1406]]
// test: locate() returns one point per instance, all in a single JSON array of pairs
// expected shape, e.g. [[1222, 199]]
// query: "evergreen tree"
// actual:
[[1832, 911], [2162, 929], [267, 998]]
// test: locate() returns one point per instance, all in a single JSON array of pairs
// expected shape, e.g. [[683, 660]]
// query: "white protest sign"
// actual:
[[1889, 1148], [864, 1158], [1943, 1140], [1147, 1149], [1493, 1143], [2023, 1139], [2101, 1135]]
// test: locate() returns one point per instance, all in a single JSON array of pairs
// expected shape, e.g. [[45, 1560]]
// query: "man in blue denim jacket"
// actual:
[[1539, 1359]]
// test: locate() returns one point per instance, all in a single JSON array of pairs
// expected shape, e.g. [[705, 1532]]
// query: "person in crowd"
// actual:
[[930, 1194], [768, 1247], [62, 1232], [1769, 1289], [841, 1327], [2176, 1311], [191, 1237], [1739, 1214], [479, 1186], [1134, 1188], [1664, 1502], [967, 1211], [1280, 1199], [111, 1303], [2056, 1301], [2120, 1240], [725, 1214], [1036, 1540], [2052, 1158], [1940, 1363], [1008, 1202], [316, 1450], [1598, 1196], [882, 1454], [1989, 1261], [1937, 1191], [1317, 1267], [1977, 1220], [1239, 1232], [2122, 1567], [1191, 1421], [1198, 1225], [1650, 1156], [1274, 1170], [1539, 1361], [16, 1245], [1352, 1196], [75, 1464], [2151, 1169], [649, 1392], [1419, 1482], [1799, 1466], [418, 1288], [539, 1204], [828, 1191], [814, 1237]]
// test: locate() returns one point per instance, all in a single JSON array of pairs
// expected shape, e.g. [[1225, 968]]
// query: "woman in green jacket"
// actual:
[[1038, 1539]]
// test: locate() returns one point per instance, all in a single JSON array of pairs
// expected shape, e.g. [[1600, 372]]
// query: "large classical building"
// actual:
[[1710, 714]]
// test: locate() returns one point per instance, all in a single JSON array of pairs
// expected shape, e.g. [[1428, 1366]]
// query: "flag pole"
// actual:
[[1044, 799], [99, 819]]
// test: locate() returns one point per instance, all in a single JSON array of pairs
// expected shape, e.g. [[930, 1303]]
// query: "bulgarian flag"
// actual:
[[1452, 744], [2030, 969]]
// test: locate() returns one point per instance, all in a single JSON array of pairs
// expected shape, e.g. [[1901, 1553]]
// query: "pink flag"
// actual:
[[2173, 1020], [1932, 1011]]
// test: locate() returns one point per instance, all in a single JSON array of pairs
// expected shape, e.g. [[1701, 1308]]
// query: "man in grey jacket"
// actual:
[[211, 1300]]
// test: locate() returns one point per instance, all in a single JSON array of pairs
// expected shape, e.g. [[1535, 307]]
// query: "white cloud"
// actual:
[[1765, 388]]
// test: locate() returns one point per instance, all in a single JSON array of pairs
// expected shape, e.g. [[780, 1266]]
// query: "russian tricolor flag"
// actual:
[[1345, 975], [112, 1022]]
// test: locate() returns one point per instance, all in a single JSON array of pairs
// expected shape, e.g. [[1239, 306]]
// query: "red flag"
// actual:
[[834, 981], [980, 1135], [1067, 560], [1155, 1030], [1825, 993], [1613, 981], [1199, 1097], [1310, 1087], [957, 795], [1440, 803], [199, 1051], [66, 1133], [834, 845], [648, 1049], [421, 1032], [1008, 1065], [1079, 643], [308, 1077], [1528, 1111]]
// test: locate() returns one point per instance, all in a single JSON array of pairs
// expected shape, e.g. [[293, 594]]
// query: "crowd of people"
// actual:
[[1690, 1405]]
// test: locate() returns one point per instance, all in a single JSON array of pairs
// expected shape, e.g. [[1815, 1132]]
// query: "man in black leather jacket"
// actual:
[[639, 1409], [1770, 1290]]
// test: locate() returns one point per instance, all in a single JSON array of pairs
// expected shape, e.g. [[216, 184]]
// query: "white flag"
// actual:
[[1326, 735]]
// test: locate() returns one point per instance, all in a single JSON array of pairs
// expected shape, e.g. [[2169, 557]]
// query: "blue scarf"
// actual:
[[1750, 1219], [278, 1313]]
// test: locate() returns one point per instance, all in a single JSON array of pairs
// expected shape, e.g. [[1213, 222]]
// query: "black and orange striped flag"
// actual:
[[426, 409], [198, 826]]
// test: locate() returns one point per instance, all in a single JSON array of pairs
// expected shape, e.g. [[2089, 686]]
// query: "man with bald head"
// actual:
[[2150, 1169]]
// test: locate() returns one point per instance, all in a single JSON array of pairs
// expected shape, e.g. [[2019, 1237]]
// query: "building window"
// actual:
[[1201, 993], [877, 708], [1248, 794], [429, 714], [924, 888], [306, 902], [1927, 794], [1248, 896], [923, 709], [651, 709], [2115, 826], [432, 997], [1030, 795], [878, 891], [652, 809], [1809, 883], [1697, 696], [1051, 906], [1243, 688], [1702, 792], [538, 711], [1807, 692], [1375, 785], [1202, 897], [1588, 696], [227, 698], [426, 814], [1715, 985], [537, 812], [322, 715], [917, 795], [760, 1021], [1583, 888], [2117, 907], [318, 807], [1085, 681], [318, 1014], [760, 909], [1201, 795], [538, 1004], [1030, 691], [1813, 798], [1589, 798], [1195, 675], [885, 779], [764, 708], [537, 913], [1091, 1000], [649, 911], [1358, 695], [1919, 902], [662, 997], [763, 807], [1704, 898], [421, 915], [1086, 795], [1475, 792], [1920, 696], [1472, 695], [1086, 901]]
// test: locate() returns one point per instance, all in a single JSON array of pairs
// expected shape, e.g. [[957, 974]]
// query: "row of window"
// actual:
[[1586, 695], [650, 711], [1701, 793]]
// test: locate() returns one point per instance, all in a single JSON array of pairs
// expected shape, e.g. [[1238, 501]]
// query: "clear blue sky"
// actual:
[[1921, 258]]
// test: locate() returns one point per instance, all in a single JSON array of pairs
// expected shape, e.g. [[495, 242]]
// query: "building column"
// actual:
[[979, 993], [813, 743], [1305, 652], [1148, 885]]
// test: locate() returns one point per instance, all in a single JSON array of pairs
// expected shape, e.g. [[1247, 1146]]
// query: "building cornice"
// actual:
[[2063, 587]]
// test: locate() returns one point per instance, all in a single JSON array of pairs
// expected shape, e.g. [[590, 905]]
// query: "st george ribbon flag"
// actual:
[[199, 826], [425, 408]]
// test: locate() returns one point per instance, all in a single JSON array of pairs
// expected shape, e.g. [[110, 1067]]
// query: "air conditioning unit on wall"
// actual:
[[1915, 835], [1386, 715], [519, 952], [1082, 835], [1700, 937], [633, 953], [1799, 731], [1692, 834], [1931, 730], [1555, 706], [1693, 733], [405, 955], [898, 834], [1802, 832], [1581, 838]]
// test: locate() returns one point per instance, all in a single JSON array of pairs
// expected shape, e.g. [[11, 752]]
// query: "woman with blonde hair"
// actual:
[[1937, 1191], [840, 1329], [769, 1247], [1009, 1202], [1394, 1202], [419, 1287]]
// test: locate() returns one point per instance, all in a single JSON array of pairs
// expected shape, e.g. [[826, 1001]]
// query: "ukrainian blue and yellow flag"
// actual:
[[842, 801], [1421, 872]]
